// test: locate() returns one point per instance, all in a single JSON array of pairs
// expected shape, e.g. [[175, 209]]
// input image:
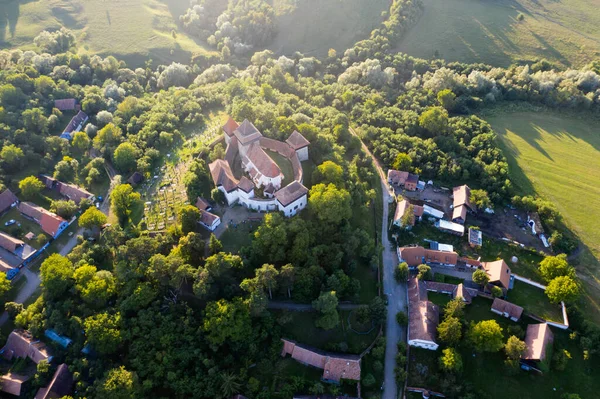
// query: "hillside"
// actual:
[[493, 32]]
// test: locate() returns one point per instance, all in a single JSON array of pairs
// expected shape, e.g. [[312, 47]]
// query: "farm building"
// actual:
[[499, 273], [415, 256], [209, 220], [506, 309], [203, 204], [399, 178], [135, 179], [74, 125], [450, 227], [69, 191], [461, 204], [423, 317], [51, 223], [475, 237], [336, 367], [539, 339], [430, 211], [67, 104], [462, 292], [402, 208], [7, 200], [11, 383], [14, 253], [60, 386]]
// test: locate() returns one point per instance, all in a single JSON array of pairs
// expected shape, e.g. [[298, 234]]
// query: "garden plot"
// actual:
[[164, 198]]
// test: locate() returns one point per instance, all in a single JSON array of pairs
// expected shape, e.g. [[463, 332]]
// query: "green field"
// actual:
[[558, 157], [488, 31], [132, 30], [314, 26]]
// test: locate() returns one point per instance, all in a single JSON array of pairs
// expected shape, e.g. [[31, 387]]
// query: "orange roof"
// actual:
[[423, 315], [462, 292], [459, 212], [537, 338], [230, 126], [246, 184], [74, 193], [403, 206], [48, 221], [335, 366], [462, 196], [202, 204], [208, 218], [397, 176], [222, 175], [9, 243], [498, 271], [7, 198], [263, 162], [65, 104], [502, 306], [290, 193], [231, 151], [414, 256], [297, 141]]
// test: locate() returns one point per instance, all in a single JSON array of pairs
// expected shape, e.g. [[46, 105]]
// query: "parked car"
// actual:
[[10, 222]]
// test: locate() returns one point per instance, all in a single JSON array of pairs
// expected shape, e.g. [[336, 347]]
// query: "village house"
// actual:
[[67, 104], [450, 227], [423, 316], [247, 142], [69, 191], [60, 386], [461, 204], [402, 208], [7, 200], [415, 256], [51, 223], [506, 309], [336, 367], [12, 383], [203, 204], [399, 178], [539, 339], [475, 238], [14, 253], [21, 344], [74, 125], [499, 273], [209, 220]]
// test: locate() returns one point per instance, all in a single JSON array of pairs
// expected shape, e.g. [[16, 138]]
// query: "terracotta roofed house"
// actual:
[[397, 177], [229, 127], [507, 309], [461, 203], [292, 198], [423, 316], [224, 180], [74, 193], [66, 104], [462, 292], [246, 133], [246, 184], [10, 243], [21, 344], [537, 338], [209, 220], [299, 144], [60, 385], [335, 366], [411, 182], [7, 200], [50, 223], [268, 171], [499, 273], [401, 208], [203, 204], [414, 256], [12, 383]]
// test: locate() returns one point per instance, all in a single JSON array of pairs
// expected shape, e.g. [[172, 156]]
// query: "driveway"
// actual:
[[396, 293]]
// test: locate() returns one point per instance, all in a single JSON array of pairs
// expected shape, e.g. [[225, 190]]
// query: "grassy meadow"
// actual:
[[132, 30], [314, 26], [558, 157], [500, 32]]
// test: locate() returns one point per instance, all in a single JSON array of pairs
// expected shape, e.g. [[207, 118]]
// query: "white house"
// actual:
[[292, 198], [300, 144], [450, 227], [209, 220], [428, 210], [261, 168]]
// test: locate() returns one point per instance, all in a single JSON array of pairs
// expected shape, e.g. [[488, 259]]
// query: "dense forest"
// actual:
[[166, 317]]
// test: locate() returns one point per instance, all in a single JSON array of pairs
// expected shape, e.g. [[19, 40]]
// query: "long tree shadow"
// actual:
[[9, 16]]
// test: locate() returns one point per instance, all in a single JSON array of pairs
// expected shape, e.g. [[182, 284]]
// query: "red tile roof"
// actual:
[[498, 272], [502, 306], [48, 221], [414, 256], [208, 218], [11, 383], [462, 292], [247, 132], [202, 204], [423, 315], [537, 339], [459, 212], [10, 243], [462, 196], [230, 126], [246, 184], [21, 344], [222, 175], [66, 104], [335, 366], [397, 177], [401, 209], [263, 162], [297, 141], [290, 193], [73, 192], [7, 198]]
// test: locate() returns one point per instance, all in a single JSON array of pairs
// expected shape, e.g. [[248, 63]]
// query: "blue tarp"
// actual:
[[62, 341]]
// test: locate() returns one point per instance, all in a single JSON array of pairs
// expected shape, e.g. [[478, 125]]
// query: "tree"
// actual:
[[402, 161], [287, 275], [226, 321], [214, 245], [66, 170], [455, 308], [31, 187], [563, 289], [480, 277], [191, 248], [64, 208], [377, 310], [4, 284], [230, 384], [480, 199], [446, 98], [103, 332], [108, 137], [434, 120], [450, 331], [556, 266], [560, 358], [424, 272], [13, 308], [122, 200], [326, 305], [92, 218], [401, 272], [451, 360], [486, 336], [402, 318], [80, 142], [56, 274], [95, 287], [125, 157], [330, 204], [11, 157], [266, 276], [514, 348], [189, 216], [329, 173], [118, 383]]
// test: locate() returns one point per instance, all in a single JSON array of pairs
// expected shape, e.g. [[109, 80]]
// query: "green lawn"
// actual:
[[534, 300], [558, 157], [486, 372], [234, 238], [26, 226], [314, 26], [133, 30], [285, 165], [488, 31]]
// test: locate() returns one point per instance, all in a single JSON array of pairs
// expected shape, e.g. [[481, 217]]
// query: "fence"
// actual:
[[565, 324]]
